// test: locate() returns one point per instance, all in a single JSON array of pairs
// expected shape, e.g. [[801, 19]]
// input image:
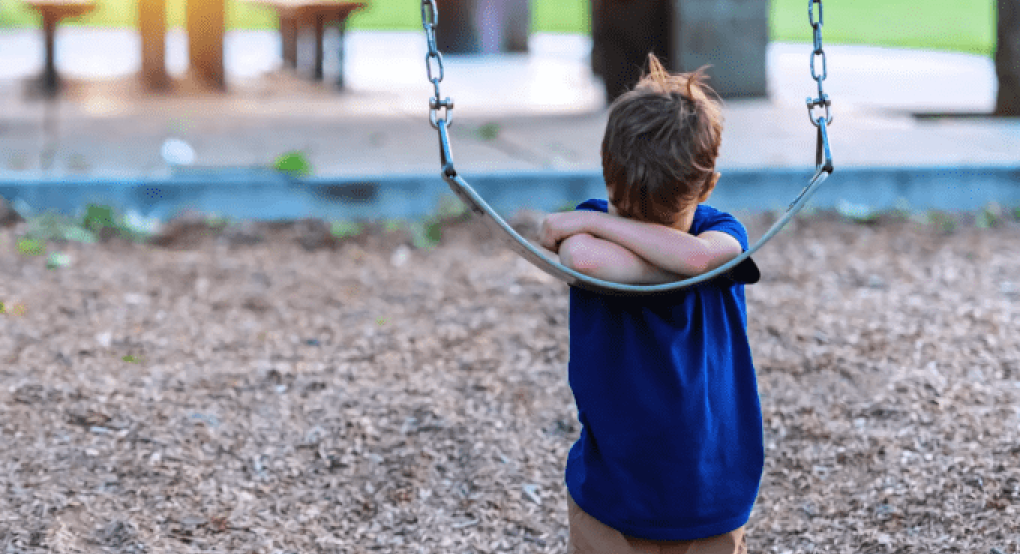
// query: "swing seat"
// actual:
[[740, 268]]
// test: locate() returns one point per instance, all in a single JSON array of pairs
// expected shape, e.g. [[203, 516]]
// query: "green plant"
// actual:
[[293, 163], [489, 131], [989, 216], [3, 310], [46, 227], [98, 217], [942, 222], [858, 213], [74, 233], [52, 226], [135, 227], [57, 260], [427, 233], [902, 208], [1016, 213], [345, 229], [451, 207], [28, 246], [131, 359]]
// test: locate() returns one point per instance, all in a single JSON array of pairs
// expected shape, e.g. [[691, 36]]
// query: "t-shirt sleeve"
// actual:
[[726, 223], [594, 205], [746, 272]]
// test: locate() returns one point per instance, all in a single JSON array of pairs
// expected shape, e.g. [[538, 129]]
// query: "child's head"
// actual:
[[660, 146]]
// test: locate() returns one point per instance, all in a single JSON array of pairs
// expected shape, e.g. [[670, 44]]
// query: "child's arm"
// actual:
[[609, 261], [665, 248]]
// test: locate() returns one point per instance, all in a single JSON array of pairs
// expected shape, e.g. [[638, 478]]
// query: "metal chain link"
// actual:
[[822, 101], [434, 65]]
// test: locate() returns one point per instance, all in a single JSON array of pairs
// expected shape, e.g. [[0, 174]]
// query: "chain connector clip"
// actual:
[[435, 105], [822, 102]]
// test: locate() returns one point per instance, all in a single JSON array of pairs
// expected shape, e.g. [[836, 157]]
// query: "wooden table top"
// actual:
[[305, 8], [310, 4], [40, 4], [62, 8]]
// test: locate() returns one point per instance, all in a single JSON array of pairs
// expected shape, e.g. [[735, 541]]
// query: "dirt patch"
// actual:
[[372, 397]]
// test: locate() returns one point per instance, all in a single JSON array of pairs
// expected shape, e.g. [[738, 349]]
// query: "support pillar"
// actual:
[[730, 35], [205, 42], [152, 27], [1007, 58]]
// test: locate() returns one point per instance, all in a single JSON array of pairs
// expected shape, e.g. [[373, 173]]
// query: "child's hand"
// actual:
[[560, 226]]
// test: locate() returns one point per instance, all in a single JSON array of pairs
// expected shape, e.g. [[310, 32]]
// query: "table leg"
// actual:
[[50, 70], [342, 28], [288, 37], [152, 27], [319, 28]]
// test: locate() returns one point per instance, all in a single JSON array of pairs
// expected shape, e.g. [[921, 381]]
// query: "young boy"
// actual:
[[670, 454]]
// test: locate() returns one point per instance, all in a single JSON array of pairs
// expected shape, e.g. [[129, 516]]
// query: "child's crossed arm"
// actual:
[[623, 250]]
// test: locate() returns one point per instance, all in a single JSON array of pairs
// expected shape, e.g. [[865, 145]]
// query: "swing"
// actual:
[[464, 191]]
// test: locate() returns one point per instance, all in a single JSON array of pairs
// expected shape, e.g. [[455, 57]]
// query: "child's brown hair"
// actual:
[[660, 146]]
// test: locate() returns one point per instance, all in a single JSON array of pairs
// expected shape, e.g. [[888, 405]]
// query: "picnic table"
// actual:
[[53, 12], [297, 14]]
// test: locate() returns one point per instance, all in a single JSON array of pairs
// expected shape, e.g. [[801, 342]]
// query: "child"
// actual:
[[670, 454]]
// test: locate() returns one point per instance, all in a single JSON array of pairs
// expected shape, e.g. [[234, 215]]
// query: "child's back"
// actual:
[[671, 440], [671, 443]]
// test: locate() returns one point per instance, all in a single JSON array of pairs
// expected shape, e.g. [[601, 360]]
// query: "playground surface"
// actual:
[[372, 397], [362, 395]]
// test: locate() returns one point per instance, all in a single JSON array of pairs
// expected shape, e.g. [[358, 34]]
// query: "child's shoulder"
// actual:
[[709, 211], [708, 218], [594, 204]]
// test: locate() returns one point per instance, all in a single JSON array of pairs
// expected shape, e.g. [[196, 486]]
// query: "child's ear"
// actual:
[[709, 186]]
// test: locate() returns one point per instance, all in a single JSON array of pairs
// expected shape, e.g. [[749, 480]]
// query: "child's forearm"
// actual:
[[669, 249], [606, 260]]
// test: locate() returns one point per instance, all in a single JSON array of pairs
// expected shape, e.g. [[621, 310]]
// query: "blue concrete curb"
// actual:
[[267, 195]]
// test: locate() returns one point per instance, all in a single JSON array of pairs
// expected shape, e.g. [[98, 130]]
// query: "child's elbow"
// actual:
[[578, 253], [708, 261]]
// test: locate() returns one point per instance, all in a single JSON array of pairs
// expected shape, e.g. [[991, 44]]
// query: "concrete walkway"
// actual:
[[519, 113]]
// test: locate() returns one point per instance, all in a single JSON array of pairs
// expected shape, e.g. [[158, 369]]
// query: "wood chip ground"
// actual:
[[370, 397]]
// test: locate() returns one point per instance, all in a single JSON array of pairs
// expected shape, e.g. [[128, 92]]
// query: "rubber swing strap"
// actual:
[[740, 269]]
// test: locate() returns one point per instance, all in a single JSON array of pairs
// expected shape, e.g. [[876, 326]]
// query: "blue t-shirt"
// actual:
[[666, 392]]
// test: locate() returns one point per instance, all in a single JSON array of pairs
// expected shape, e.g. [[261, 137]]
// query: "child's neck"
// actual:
[[686, 220]]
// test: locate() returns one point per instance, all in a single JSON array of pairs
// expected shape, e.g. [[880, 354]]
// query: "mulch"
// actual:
[[277, 394]]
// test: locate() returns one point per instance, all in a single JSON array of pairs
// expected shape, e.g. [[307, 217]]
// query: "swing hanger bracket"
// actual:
[[822, 102], [435, 105], [439, 116], [435, 70]]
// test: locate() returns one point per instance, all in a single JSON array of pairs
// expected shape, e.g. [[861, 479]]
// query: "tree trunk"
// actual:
[[1007, 58], [456, 32], [623, 34]]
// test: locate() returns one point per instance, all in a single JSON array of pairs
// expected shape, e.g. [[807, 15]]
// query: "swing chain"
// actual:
[[822, 101], [434, 65]]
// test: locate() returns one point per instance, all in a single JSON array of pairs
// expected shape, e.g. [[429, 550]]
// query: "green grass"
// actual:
[[959, 25]]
